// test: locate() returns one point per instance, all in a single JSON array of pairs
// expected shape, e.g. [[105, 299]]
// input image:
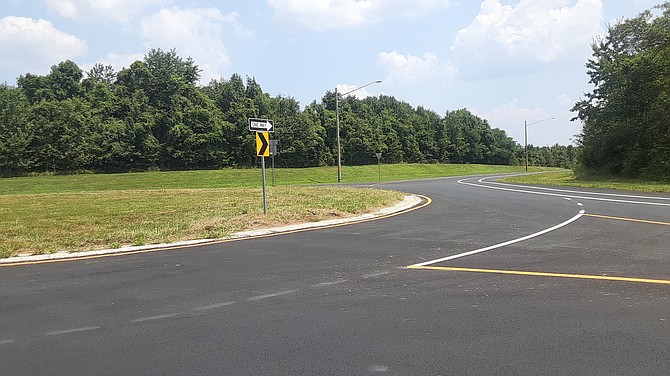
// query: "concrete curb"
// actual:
[[408, 202]]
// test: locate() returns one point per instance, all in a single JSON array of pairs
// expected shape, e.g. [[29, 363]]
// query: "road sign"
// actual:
[[262, 144], [273, 147], [261, 125]]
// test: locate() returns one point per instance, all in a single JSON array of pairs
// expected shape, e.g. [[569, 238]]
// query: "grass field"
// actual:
[[45, 214], [569, 179]]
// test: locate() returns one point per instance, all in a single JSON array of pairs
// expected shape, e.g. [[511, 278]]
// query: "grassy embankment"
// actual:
[[569, 179], [44, 214]]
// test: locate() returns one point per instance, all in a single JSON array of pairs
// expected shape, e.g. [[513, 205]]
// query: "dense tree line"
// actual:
[[626, 117], [153, 115]]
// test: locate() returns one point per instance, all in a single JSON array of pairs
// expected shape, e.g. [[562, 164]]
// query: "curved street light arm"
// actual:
[[360, 87], [337, 125], [525, 136]]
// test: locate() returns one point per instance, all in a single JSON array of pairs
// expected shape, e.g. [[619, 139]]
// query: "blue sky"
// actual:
[[508, 61]]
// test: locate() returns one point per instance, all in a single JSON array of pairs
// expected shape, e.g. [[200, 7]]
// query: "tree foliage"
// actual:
[[153, 115], [626, 122]]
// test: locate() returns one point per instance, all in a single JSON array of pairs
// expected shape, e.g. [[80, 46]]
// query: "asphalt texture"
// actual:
[[342, 300]]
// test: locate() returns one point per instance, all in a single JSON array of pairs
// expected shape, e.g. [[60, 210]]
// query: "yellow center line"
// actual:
[[542, 274], [627, 219]]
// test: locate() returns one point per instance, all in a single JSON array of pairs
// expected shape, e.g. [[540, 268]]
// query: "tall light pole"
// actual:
[[525, 138], [337, 125]]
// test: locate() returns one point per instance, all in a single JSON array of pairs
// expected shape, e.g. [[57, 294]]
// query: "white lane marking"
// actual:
[[158, 317], [330, 283], [6, 341], [76, 330], [580, 204], [462, 181], [485, 180], [214, 306], [576, 217], [266, 296], [374, 275]]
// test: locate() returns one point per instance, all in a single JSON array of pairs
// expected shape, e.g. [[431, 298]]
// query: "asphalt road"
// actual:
[[502, 280]]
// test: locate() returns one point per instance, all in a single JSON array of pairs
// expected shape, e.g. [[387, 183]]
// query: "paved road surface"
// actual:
[[490, 290]]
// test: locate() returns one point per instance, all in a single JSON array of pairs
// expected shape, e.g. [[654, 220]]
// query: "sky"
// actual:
[[510, 62]]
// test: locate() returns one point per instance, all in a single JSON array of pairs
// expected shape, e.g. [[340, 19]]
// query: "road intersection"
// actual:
[[487, 279]]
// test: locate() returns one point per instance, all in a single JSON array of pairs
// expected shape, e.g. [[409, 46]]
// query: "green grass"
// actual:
[[45, 214], [238, 178], [45, 223], [569, 179]]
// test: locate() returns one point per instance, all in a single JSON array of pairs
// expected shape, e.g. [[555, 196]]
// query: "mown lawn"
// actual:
[[45, 214]]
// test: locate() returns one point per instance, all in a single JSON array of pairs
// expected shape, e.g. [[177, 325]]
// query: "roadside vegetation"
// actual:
[[114, 128], [50, 213]]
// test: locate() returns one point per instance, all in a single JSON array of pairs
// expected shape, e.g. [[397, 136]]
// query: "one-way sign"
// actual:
[[261, 125]]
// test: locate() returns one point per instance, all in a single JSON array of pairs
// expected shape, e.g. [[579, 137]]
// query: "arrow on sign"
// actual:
[[261, 125], [262, 144]]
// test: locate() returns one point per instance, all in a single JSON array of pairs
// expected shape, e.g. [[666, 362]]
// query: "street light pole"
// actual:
[[525, 141], [525, 136], [337, 125]]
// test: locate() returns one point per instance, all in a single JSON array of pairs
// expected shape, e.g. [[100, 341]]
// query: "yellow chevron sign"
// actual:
[[262, 144]]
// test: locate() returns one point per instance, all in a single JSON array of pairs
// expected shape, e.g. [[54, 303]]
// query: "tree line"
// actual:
[[154, 116], [626, 118]]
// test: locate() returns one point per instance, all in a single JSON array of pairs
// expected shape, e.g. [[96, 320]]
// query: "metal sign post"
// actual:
[[273, 152], [263, 150], [379, 165], [262, 127], [265, 197]]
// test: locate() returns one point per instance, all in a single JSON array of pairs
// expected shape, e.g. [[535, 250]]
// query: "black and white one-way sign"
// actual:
[[261, 125]]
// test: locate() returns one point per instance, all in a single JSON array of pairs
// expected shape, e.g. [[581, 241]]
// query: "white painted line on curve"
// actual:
[[76, 330], [576, 217], [6, 341], [266, 296], [462, 181], [152, 318], [374, 275], [485, 180], [330, 283], [214, 306]]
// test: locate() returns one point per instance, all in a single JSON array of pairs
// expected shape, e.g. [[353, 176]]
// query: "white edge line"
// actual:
[[214, 306], [159, 317], [77, 330], [576, 217], [485, 180], [462, 181], [330, 283], [266, 296]]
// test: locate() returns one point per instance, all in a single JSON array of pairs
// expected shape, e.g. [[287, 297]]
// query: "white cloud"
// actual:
[[117, 61], [30, 45], [510, 117], [412, 69], [542, 31], [87, 10], [329, 14], [195, 33]]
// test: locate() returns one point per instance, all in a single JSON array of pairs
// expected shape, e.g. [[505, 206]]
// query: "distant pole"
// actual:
[[525, 141], [525, 135], [379, 165], [337, 131], [337, 126]]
